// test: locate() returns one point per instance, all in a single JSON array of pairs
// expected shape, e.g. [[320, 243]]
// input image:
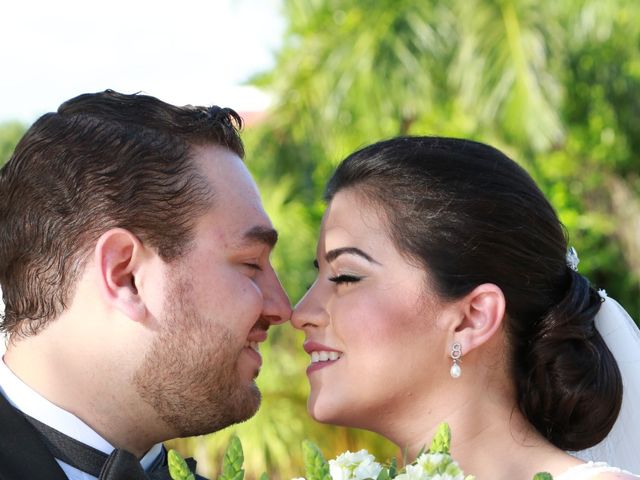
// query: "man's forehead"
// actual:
[[237, 210]]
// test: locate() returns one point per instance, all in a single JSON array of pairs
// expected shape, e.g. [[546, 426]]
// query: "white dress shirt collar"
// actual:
[[24, 398]]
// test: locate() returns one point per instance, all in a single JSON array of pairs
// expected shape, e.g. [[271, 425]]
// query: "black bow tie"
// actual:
[[120, 465]]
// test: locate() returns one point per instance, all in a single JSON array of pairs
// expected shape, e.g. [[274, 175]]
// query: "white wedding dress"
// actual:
[[589, 471]]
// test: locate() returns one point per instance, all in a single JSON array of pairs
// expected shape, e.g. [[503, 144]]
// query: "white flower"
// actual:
[[367, 469], [413, 472], [351, 458], [354, 466], [439, 466], [433, 460]]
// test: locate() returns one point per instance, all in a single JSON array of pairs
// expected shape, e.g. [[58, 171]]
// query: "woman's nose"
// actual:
[[310, 310]]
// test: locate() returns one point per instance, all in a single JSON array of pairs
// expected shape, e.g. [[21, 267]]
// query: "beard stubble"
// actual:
[[190, 374]]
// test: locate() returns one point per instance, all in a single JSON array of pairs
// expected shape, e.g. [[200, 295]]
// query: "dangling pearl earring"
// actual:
[[456, 354]]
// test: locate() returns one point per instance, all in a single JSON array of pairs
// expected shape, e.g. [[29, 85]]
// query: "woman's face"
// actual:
[[370, 322]]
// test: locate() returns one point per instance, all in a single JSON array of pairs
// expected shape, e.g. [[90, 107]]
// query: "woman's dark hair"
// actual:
[[101, 161], [470, 215]]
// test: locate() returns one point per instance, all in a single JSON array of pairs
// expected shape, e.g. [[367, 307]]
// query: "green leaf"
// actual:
[[442, 439], [543, 476], [178, 468], [264, 476], [393, 468], [383, 475], [233, 460], [316, 466]]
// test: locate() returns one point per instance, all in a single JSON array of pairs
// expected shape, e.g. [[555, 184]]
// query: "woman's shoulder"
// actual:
[[596, 471]]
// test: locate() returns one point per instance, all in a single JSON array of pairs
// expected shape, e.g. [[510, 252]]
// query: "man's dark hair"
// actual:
[[101, 161]]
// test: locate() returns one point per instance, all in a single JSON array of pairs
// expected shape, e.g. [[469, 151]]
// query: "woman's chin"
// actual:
[[320, 411], [329, 413]]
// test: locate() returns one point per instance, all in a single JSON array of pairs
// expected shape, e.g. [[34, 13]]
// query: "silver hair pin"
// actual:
[[572, 259]]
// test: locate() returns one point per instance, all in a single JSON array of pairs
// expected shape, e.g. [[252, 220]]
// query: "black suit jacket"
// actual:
[[23, 455]]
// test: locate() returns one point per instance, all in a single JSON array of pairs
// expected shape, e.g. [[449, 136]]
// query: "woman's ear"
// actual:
[[480, 314], [118, 257]]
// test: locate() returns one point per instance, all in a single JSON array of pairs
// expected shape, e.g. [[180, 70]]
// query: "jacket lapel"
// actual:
[[23, 455]]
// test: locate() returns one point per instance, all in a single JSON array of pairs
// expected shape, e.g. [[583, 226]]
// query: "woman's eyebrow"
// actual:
[[333, 254]]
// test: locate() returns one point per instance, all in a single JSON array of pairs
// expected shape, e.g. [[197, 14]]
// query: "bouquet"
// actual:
[[435, 463]]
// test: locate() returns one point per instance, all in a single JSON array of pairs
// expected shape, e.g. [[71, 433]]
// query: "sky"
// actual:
[[197, 52]]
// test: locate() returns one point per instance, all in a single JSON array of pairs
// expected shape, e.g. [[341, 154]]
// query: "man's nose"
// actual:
[[277, 308]]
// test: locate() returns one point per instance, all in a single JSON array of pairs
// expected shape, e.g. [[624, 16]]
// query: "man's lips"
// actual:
[[252, 344], [257, 335]]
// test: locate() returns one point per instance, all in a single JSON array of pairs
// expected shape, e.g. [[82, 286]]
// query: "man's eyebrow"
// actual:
[[333, 254], [260, 234]]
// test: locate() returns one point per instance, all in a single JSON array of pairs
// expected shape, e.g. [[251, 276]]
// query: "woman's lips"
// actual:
[[321, 355]]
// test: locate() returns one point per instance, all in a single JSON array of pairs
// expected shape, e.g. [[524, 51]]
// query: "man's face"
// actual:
[[221, 298]]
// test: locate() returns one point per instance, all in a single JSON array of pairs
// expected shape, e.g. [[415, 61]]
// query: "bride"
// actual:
[[445, 293]]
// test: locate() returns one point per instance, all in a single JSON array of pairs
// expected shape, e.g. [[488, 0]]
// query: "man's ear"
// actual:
[[479, 316], [118, 256]]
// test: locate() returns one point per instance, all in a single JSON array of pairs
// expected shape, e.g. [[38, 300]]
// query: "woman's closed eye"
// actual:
[[345, 279]]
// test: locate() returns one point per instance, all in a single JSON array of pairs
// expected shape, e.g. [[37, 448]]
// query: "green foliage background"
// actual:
[[556, 85]]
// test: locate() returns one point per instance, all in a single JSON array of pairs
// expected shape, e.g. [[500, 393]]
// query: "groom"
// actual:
[[134, 264]]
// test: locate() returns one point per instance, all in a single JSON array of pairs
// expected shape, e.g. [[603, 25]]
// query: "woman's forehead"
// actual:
[[352, 221]]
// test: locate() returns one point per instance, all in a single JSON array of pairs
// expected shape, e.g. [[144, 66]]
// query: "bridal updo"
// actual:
[[470, 215]]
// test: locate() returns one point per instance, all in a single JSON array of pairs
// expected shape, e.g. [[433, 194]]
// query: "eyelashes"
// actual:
[[344, 279]]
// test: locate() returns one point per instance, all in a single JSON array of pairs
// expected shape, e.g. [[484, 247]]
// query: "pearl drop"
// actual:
[[456, 371]]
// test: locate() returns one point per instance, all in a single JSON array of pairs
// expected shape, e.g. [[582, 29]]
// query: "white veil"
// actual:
[[621, 448]]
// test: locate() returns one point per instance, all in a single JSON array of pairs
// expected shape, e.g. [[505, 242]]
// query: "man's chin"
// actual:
[[241, 408], [253, 398], [247, 407]]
